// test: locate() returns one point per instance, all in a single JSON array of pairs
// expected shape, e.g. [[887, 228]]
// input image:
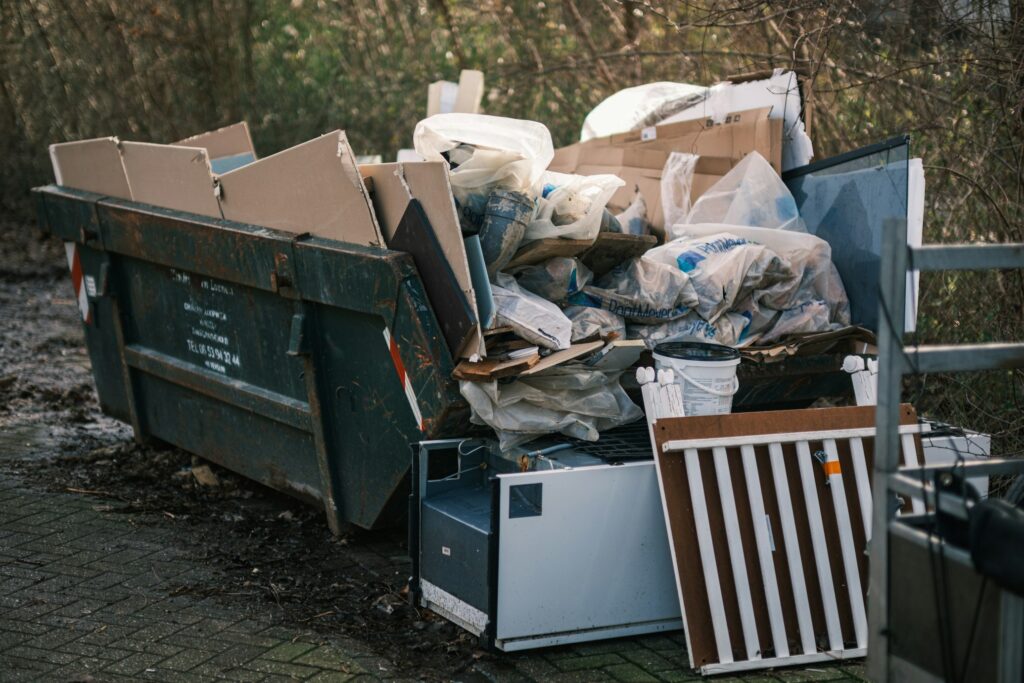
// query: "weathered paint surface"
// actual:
[[263, 351]]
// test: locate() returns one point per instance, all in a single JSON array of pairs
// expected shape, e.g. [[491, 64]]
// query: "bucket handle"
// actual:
[[708, 390]]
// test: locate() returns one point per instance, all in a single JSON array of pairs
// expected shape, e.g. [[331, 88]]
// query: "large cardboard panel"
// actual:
[[170, 176], [394, 185], [223, 142], [679, 508], [313, 187], [451, 305], [91, 165]]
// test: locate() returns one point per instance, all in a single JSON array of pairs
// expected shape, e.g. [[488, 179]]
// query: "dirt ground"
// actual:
[[272, 554]]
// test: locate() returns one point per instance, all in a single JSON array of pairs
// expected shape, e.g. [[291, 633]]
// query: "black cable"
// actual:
[[974, 627]]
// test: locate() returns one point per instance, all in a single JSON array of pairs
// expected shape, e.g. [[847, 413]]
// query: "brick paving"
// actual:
[[88, 595]]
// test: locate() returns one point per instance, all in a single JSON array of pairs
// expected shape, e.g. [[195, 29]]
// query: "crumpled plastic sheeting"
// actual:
[[491, 151], [588, 322], [722, 269], [570, 206], [750, 194], [727, 330], [641, 290], [677, 186], [535, 319], [556, 279], [812, 316], [639, 106], [569, 399]]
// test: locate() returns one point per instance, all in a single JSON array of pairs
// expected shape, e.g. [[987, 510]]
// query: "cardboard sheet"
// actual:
[[91, 165], [563, 356], [224, 142], [313, 187], [638, 157], [170, 176], [394, 185], [451, 306]]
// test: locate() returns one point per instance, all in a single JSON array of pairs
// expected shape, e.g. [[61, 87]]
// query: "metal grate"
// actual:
[[628, 442]]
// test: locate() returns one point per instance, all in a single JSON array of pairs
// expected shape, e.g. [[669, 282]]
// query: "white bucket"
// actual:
[[705, 373]]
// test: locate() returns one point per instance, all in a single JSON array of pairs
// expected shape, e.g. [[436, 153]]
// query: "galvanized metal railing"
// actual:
[[895, 361]]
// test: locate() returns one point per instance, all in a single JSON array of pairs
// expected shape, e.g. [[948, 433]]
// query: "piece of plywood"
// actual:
[[779, 487], [487, 370], [612, 248], [450, 304], [618, 355], [170, 176], [310, 188], [428, 182], [394, 185], [91, 165], [563, 356], [228, 141], [541, 250]]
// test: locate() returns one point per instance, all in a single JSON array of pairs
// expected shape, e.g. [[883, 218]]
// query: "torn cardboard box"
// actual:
[[638, 157]]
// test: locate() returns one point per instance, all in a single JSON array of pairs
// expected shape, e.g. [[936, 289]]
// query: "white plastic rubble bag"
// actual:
[[722, 268], [639, 107], [641, 290], [677, 186], [750, 194], [534, 319], [570, 206], [491, 151], [556, 279], [727, 330], [811, 316], [570, 399], [588, 322], [814, 276]]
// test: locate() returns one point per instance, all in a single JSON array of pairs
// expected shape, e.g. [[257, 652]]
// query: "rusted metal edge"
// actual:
[[265, 403]]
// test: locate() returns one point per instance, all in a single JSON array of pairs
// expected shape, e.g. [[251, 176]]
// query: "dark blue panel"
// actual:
[[846, 200]]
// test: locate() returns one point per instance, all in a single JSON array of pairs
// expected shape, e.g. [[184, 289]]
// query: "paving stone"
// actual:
[[588, 663], [187, 659], [327, 657], [271, 666], [134, 664], [286, 652]]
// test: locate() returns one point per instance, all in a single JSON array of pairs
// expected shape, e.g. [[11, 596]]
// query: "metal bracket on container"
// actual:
[[297, 343]]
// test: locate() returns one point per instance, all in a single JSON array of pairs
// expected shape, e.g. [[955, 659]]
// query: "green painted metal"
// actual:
[[263, 351]]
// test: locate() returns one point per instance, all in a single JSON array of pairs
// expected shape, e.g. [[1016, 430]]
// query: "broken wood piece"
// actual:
[[539, 251], [612, 248], [618, 355], [564, 356], [489, 369]]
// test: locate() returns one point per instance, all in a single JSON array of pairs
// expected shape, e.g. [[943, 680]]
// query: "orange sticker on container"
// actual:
[[831, 467]]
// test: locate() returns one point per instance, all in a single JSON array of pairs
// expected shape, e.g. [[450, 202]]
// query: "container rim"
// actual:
[[696, 351]]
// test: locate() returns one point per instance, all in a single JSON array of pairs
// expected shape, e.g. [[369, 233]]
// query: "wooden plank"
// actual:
[[487, 370], [564, 356], [539, 251], [612, 248]]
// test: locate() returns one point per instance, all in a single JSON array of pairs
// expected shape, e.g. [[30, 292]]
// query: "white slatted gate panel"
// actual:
[[769, 533]]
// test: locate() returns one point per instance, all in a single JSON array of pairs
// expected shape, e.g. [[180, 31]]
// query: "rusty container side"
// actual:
[[305, 364]]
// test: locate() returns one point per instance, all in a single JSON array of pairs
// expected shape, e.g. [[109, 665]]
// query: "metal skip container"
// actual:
[[303, 363]]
